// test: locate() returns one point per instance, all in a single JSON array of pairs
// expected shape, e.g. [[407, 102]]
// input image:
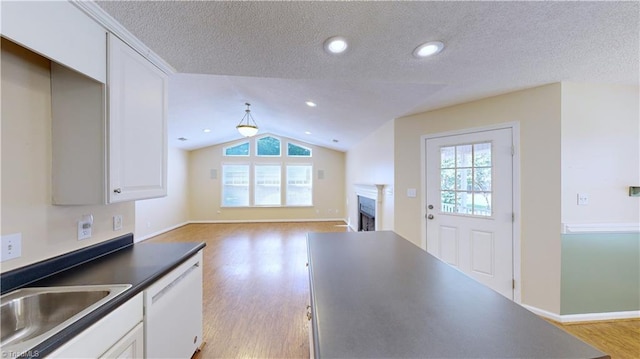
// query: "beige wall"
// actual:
[[371, 162], [156, 215], [204, 192], [600, 153], [47, 230], [537, 110]]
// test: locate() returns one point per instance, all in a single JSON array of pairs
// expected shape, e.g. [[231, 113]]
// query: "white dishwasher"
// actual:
[[173, 312]]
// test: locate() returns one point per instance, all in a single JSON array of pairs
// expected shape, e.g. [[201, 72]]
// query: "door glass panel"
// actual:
[[448, 157], [464, 202], [463, 155], [482, 203], [482, 179], [482, 155], [465, 179], [447, 179]]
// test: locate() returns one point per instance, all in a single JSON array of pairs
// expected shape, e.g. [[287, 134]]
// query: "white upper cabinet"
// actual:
[[59, 31], [137, 125], [109, 143]]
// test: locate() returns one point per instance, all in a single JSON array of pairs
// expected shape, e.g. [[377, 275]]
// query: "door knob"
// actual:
[[430, 216]]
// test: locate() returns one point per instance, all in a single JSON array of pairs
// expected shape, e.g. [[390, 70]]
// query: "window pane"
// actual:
[[482, 155], [463, 180], [235, 185], [447, 179], [482, 204], [268, 146], [447, 157], [463, 156], [267, 189], [299, 185], [448, 201], [295, 150], [482, 180], [239, 150], [464, 202]]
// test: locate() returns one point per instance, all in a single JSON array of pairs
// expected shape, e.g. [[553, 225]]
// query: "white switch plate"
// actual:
[[583, 199], [11, 246], [412, 192], [117, 222], [85, 226]]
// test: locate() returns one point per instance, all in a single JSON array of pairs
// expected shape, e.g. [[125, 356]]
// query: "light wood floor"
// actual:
[[256, 291]]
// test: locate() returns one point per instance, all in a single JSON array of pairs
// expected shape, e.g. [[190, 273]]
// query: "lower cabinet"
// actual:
[[120, 329], [130, 346]]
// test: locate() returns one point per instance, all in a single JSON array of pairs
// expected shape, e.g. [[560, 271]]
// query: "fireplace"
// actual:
[[366, 214]]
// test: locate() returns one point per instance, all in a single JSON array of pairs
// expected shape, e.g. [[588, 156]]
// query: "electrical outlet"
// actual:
[[11, 246], [583, 199], [117, 222], [85, 226]]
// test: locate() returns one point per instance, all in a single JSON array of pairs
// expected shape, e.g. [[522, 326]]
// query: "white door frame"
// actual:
[[515, 130]]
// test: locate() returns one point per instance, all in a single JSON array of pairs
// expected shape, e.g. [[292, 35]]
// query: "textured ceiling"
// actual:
[[271, 55]]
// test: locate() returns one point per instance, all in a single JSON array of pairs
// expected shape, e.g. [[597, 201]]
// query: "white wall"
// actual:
[[47, 230], [205, 192], [538, 112], [157, 215], [600, 153], [371, 162]]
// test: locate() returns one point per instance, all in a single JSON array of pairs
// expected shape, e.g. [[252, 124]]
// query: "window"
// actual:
[[267, 185], [235, 185], [237, 150], [297, 151], [268, 146], [465, 179], [299, 187]]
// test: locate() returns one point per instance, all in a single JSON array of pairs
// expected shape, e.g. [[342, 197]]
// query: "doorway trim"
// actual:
[[517, 223]]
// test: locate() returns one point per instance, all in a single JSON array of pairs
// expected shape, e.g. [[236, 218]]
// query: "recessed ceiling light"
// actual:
[[307, 132], [206, 130], [336, 45], [428, 49], [311, 104]]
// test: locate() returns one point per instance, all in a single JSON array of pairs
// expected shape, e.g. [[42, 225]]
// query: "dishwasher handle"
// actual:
[[174, 283]]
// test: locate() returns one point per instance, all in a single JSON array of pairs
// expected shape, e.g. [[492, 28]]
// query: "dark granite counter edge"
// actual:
[[314, 318], [77, 258]]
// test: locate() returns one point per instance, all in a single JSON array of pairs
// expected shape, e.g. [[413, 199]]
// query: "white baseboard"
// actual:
[[576, 228], [586, 317], [272, 220], [140, 239]]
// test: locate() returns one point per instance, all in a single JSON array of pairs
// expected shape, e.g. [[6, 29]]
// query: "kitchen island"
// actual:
[[375, 295]]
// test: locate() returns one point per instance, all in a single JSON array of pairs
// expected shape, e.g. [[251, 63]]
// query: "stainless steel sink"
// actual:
[[31, 315]]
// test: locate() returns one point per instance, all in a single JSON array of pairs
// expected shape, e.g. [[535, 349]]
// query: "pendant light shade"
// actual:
[[247, 126]]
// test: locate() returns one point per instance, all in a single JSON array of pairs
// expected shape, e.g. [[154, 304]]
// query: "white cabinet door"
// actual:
[[137, 125], [103, 334], [131, 346], [59, 31]]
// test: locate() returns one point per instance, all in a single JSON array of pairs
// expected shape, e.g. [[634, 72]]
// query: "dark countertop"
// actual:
[[138, 264], [375, 294]]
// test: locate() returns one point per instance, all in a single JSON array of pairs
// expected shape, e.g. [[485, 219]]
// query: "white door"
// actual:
[[469, 198]]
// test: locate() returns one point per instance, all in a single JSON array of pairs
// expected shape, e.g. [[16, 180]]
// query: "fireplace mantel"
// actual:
[[373, 191]]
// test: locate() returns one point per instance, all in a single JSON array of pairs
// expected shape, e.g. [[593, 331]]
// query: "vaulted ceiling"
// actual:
[[271, 54]]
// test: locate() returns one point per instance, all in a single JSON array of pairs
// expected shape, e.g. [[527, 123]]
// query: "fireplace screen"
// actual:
[[366, 214]]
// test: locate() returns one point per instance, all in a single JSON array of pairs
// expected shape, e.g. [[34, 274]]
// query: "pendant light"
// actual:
[[247, 126]]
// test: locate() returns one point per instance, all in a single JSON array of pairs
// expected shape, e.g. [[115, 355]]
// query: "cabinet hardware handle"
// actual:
[[117, 190]]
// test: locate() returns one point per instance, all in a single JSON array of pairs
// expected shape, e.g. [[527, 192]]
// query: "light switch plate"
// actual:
[[583, 199], [412, 192], [11, 246], [117, 222], [85, 227]]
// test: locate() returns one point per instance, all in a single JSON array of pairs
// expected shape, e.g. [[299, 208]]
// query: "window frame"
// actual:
[[286, 184], [222, 184], [267, 156], [298, 145], [224, 149], [255, 184]]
